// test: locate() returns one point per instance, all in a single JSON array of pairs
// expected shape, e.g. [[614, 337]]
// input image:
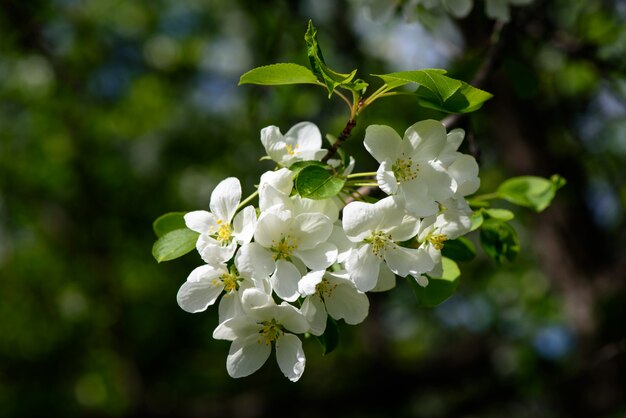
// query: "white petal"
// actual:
[[386, 279], [465, 171], [254, 261], [253, 298], [319, 258], [290, 356], [212, 252], [200, 221], [314, 311], [360, 219], [449, 153], [383, 142], [307, 285], [347, 303], [195, 297], [281, 180], [274, 143], [341, 241], [418, 202], [235, 328], [246, 356], [427, 139], [230, 306], [206, 272], [225, 198], [406, 230], [291, 318], [305, 135], [386, 179], [363, 267], [244, 225], [285, 280], [270, 227], [312, 229], [440, 185], [404, 261]]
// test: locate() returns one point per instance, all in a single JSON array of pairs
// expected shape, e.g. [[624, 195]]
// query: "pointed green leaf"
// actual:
[[532, 192], [168, 222], [279, 74], [316, 182], [330, 78], [499, 214], [499, 240], [299, 165], [439, 288], [438, 91], [174, 244]]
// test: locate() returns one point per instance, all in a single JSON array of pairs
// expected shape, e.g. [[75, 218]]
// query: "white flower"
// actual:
[[284, 244], [302, 142], [499, 9], [253, 333], [377, 229], [206, 283], [219, 232], [411, 167], [333, 294], [434, 231]]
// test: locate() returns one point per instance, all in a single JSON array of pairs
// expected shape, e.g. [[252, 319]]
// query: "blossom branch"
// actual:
[[345, 134]]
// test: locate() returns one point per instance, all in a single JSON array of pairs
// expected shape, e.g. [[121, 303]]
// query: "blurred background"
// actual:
[[114, 112]]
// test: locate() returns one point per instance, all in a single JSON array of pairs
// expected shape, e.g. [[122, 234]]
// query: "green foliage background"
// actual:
[[113, 112]]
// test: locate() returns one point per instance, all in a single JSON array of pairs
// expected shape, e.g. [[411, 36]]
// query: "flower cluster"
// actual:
[[283, 267]]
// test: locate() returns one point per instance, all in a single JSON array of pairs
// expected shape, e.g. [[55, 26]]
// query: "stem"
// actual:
[[345, 134], [247, 200], [486, 196], [362, 183], [354, 175]]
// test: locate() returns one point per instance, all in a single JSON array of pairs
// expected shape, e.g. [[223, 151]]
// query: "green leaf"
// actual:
[[499, 240], [438, 91], [330, 338], [532, 192], [477, 220], [174, 244], [316, 182], [279, 74], [439, 288], [329, 77], [499, 214], [460, 249], [299, 165], [169, 222]]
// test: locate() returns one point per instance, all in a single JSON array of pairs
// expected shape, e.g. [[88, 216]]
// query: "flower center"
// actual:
[[437, 240], [230, 281], [270, 331], [325, 289], [379, 242], [224, 234], [405, 170], [284, 248], [292, 150]]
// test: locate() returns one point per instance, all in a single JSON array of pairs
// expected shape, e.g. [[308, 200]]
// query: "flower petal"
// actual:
[[254, 261], [427, 139], [383, 142], [313, 228], [314, 311], [347, 303], [290, 356], [285, 280], [305, 135], [363, 267], [319, 258], [386, 179], [404, 261], [386, 279], [360, 219], [270, 227], [196, 296], [307, 285], [244, 225], [246, 356], [200, 221], [225, 198]]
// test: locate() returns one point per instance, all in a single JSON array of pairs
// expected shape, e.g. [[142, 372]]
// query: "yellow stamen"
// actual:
[[379, 242], [284, 248], [292, 150], [437, 240], [270, 331], [405, 170], [325, 289]]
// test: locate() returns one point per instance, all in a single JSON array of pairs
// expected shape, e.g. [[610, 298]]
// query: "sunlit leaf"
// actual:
[[532, 192], [439, 288], [174, 244], [316, 182], [499, 240], [279, 74], [168, 222]]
